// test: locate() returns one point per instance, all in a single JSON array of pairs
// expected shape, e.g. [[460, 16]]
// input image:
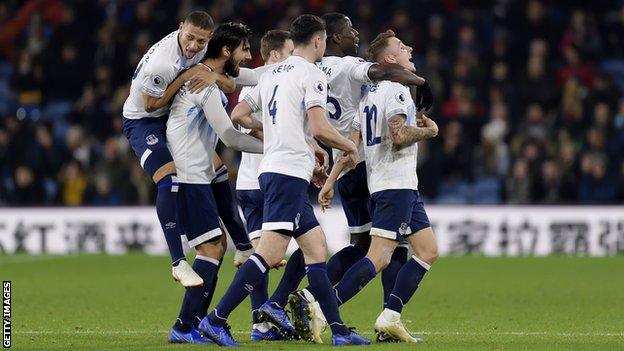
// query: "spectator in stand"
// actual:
[[519, 186], [596, 185], [73, 183], [526, 94]]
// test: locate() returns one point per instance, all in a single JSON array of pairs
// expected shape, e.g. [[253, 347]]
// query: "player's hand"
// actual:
[[350, 159], [319, 177], [281, 264], [322, 159], [202, 79], [424, 97], [241, 257], [325, 196], [431, 125]]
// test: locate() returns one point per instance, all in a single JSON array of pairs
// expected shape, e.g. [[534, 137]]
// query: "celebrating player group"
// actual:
[[313, 90]]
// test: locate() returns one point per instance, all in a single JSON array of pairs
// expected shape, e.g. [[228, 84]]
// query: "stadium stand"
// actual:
[[528, 94]]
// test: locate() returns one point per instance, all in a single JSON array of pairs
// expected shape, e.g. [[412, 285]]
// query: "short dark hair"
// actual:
[[200, 19], [335, 23], [273, 40], [303, 28], [378, 45], [230, 34]]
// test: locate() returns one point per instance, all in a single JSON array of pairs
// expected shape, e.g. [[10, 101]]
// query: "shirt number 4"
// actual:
[[273, 105]]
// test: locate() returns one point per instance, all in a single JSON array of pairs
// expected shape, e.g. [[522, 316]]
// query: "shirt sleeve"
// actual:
[[397, 100], [315, 89], [357, 69], [246, 77], [220, 121], [253, 98], [157, 78]]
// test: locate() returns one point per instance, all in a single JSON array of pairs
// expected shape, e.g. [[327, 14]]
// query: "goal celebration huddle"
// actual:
[[312, 94]]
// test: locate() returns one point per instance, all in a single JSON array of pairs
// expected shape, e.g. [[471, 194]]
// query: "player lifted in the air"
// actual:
[[275, 46], [346, 75], [292, 97], [389, 130], [196, 122], [157, 78]]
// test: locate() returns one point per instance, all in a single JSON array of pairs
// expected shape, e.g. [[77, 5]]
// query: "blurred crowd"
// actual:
[[528, 94]]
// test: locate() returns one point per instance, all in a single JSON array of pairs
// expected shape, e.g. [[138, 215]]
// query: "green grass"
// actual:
[[468, 303]]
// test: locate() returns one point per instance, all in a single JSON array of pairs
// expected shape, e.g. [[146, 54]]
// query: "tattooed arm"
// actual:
[[403, 135]]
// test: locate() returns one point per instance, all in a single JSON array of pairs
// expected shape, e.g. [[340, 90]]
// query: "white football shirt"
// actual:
[[387, 167], [346, 78], [247, 178], [157, 69], [190, 136], [284, 94]]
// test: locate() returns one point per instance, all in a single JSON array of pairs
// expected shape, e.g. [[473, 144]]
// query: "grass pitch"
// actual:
[[469, 303]]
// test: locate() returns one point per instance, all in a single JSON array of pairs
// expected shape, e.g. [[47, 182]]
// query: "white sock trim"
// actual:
[[207, 259], [424, 264], [258, 263]]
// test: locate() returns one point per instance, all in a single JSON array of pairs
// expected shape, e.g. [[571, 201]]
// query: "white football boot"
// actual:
[[389, 324], [185, 275]]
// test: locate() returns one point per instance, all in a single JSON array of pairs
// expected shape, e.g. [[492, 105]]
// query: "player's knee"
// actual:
[[214, 248], [380, 260], [255, 242], [271, 258], [429, 254]]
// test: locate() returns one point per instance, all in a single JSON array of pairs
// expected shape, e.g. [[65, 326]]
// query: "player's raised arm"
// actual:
[[251, 76], [403, 135], [153, 99], [221, 123]]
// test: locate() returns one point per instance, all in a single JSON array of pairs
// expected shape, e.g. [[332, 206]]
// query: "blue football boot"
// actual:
[[352, 338], [266, 332], [192, 337], [278, 317], [220, 335]]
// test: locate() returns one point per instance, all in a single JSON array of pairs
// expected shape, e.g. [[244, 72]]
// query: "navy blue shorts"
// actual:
[[252, 204], [228, 212], [356, 202], [197, 213], [398, 213], [148, 139], [286, 204]]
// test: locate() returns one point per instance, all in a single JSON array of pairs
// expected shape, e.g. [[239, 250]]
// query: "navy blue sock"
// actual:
[[406, 283], [340, 262], [389, 275], [193, 305], [166, 211], [362, 272], [208, 299], [231, 220], [249, 277], [258, 297], [293, 274], [322, 290]]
